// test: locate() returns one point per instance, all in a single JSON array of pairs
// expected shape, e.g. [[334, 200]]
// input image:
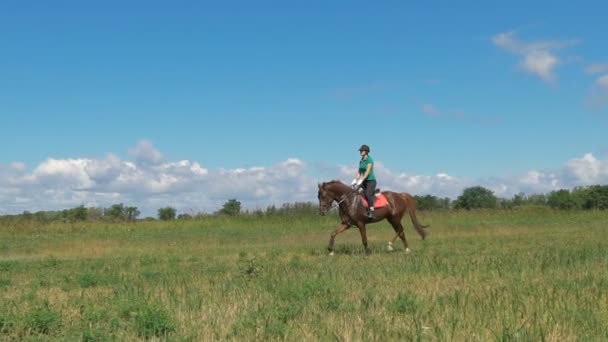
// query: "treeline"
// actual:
[[123, 213], [115, 213], [583, 198]]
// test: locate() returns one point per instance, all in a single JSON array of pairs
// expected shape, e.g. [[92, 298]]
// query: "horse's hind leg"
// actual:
[[390, 243], [398, 227], [342, 227]]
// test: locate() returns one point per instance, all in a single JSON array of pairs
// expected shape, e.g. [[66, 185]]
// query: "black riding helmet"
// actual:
[[364, 148]]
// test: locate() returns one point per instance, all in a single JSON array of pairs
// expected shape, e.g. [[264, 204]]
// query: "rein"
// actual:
[[341, 199], [344, 197]]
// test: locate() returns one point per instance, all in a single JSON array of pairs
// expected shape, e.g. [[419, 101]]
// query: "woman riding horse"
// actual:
[[352, 211]]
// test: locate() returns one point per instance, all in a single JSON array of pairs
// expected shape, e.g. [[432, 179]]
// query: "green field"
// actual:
[[527, 275]]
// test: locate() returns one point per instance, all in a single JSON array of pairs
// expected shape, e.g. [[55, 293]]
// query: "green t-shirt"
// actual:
[[363, 166]]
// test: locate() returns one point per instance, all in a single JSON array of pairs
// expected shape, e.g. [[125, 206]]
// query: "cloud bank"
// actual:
[[149, 182], [538, 58]]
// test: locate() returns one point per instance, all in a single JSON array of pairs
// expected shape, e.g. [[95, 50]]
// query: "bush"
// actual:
[[562, 199], [476, 197], [152, 320], [596, 197], [231, 208], [405, 303], [429, 202], [166, 213], [43, 319], [88, 280]]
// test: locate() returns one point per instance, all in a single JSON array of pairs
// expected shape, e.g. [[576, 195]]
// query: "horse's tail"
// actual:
[[411, 209]]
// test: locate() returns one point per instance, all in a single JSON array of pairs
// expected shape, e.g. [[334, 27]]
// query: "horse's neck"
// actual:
[[344, 195], [348, 202], [340, 190]]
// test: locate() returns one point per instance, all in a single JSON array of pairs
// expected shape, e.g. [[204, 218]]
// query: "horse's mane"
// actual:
[[334, 183]]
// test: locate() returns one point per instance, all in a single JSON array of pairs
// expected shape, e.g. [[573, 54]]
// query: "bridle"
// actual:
[[325, 207], [338, 201]]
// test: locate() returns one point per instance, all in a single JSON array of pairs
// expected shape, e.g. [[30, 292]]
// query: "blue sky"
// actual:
[[101, 101]]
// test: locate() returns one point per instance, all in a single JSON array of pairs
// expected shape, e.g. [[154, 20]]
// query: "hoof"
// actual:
[[408, 251], [331, 253], [390, 247]]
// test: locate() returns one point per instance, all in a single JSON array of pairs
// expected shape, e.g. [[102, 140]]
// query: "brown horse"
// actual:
[[353, 212]]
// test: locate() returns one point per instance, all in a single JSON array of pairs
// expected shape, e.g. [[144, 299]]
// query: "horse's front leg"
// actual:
[[363, 232], [342, 227]]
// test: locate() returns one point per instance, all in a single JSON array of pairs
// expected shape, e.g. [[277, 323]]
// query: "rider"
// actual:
[[366, 179]]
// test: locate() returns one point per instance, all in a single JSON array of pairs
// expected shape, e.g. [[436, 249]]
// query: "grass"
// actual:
[[530, 274]]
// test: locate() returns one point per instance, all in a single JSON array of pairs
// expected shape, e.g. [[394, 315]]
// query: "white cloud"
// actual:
[[602, 82], [598, 97], [65, 173], [144, 152], [190, 187], [588, 170], [541, 63], [596, 68], [538, 58], [18, 166]]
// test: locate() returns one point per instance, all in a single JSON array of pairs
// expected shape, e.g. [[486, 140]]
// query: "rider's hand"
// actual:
[[359, 182], [354, 182]]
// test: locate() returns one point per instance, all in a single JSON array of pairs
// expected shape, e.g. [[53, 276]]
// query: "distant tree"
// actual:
[[504, 203], [536, 199], [596, 197], [78, 214], [116, 212], [519, 199], [476, 197], [429, 202], [166, 214], [296, 208], [561, 199], [271, 210], [131, 213], [445, 203], [94, 214], [43, 216], [27, 215], [184, 217], [232, 208]]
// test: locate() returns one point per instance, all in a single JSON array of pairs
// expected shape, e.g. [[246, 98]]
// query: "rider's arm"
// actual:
[[367, 170]]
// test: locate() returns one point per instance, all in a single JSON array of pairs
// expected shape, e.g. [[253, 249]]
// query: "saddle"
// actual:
[[381, 200]]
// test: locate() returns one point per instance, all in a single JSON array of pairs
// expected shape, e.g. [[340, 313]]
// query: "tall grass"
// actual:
[[485, 275]]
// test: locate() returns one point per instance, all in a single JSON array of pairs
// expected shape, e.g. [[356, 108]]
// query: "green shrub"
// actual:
[[43, 319], [88, 280], [152, 320], [405, 303]]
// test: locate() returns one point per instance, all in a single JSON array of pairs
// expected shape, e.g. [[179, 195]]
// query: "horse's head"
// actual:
[[326, 198]]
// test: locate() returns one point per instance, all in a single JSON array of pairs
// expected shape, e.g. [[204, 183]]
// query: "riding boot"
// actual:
[[370, 213]]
